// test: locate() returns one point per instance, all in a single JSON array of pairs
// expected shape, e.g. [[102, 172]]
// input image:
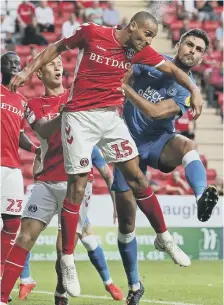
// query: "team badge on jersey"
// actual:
[[172, 91], [188, 101], [130, 53], [84, 162]]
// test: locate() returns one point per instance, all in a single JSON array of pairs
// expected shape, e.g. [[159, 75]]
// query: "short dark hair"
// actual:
[[142, 16], [4, 56], [197, 33]]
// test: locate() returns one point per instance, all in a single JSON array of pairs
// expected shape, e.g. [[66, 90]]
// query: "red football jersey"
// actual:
[[52, 160], [101, 64], [12, 121], [26, 11]]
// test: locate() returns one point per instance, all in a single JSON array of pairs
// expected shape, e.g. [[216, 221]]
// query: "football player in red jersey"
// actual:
[[12, 137], [90, 116], [48, 193]]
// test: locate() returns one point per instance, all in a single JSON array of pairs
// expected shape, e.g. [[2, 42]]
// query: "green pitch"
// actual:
[[165, 283]]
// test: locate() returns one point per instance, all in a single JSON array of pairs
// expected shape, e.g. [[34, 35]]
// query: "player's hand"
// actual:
[[18, 80], [38, 151], [196, 103]]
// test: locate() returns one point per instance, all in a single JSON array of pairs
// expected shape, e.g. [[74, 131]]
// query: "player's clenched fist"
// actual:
[[196, 103], [18, 80]]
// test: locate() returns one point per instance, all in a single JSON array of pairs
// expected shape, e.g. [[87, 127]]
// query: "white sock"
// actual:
[[90, 242], [106, 283], [126, 238], [27, 280], [165, 236], [135, 287]]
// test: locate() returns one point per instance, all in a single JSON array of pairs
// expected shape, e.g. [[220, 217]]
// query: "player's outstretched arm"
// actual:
[[184, 80], [44, 57], [26, 144], [162, 110], [45, 128]]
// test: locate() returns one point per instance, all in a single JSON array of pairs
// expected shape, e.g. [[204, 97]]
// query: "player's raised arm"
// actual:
[[44, 57], [184, 80], [150, 57], [77, 40]]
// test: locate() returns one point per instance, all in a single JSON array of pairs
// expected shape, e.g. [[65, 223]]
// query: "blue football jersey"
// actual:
[[154, 86]]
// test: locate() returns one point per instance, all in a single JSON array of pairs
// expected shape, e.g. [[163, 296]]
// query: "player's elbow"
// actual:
[[153, 115]]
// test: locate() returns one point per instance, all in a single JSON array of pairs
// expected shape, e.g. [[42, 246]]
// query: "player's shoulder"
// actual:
[[34, 101]]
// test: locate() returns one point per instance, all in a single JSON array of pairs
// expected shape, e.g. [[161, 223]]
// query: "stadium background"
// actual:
[[202, 241]]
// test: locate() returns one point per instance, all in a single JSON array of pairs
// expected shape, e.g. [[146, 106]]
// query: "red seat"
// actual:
[[67, 7], [210, 25], [23, 50], [169, 19], [218, 10], [195, 24], [69, 66], [70, 55], [51, 37], [53, 4], [58, 22], [211, 174], [204, 160], [176, 25], [175, 35], [220, 97]]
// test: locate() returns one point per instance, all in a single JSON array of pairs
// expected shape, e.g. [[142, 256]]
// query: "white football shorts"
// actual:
[[12, 191], [84, 129], [46, 200]]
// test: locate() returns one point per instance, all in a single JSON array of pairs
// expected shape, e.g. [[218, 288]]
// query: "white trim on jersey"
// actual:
[[159, 64]]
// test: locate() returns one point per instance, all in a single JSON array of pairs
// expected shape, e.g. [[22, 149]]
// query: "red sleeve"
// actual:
[[32, 7], [33, 111], [81, 35], [148, 56]]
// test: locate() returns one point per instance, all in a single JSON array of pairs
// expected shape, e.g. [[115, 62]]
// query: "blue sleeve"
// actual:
[[138, 69], [97, 159], [182, 99]]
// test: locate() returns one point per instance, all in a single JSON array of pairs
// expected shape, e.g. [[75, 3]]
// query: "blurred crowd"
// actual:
[[27, 22], [180, 16]]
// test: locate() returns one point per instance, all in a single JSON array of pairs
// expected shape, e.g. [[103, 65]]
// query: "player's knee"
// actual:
[[138, 183], [187, 146], [126, 224], [76, 188], [26, 240]]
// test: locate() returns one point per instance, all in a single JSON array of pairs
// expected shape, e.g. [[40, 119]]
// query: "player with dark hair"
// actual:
[[153, 103], [91, 117]]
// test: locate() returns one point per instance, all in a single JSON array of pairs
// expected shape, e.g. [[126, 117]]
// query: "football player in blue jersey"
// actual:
[[154, 101]]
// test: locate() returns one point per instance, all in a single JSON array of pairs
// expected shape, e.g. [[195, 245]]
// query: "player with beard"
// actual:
[[154, 102], [91, 117]]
